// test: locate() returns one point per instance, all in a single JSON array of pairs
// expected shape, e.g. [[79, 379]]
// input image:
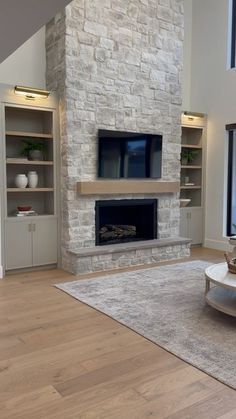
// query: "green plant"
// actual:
[[189, 155], [32, 145]]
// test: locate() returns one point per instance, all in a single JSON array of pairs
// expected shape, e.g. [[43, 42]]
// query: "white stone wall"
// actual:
[[116, 65]]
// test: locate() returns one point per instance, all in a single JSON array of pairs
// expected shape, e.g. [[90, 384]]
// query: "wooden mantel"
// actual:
[[112, 187]]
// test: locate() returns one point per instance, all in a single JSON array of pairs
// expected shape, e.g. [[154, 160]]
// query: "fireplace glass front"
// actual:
[[125, 220]]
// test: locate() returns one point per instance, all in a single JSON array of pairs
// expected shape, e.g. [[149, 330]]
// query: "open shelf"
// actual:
[[191, 146], [28, 217], [41, 200], [30, 189], [192, 136], [28, 134], [194, 195], [191, 167], [190, 187], [30, 162]]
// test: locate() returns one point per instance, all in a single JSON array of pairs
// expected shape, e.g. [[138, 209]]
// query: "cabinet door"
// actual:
[[18, 244], [196, 225], [184, 231], [44, 241]]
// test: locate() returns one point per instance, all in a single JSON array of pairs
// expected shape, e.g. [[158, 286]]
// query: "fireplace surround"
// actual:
[[116, 66], [125, 220]]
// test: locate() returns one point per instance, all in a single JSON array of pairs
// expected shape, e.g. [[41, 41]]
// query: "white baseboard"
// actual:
[[218, 245], [1, 272]]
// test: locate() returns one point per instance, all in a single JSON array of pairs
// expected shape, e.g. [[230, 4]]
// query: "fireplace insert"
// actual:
[[125, 220], [129, 155]]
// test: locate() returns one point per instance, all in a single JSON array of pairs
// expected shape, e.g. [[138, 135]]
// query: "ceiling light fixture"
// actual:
[[31, 93]]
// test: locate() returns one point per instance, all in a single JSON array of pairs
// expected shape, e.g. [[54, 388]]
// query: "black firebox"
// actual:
[[125, 220]]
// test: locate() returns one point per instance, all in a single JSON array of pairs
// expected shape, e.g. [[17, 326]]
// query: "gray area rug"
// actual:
[[167, 306]]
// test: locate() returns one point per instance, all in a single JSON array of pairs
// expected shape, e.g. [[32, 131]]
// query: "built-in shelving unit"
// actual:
[[30, 238], [23, 125], [191, 170], [192, 177]]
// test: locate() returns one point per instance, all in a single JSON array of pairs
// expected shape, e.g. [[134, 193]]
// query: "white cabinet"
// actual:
[[44, 241], [191, 224], [30, 242], [18, 244]]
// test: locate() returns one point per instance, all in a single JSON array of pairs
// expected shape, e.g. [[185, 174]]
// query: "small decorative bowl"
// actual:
[[231, 264], [184, 202], [24, 207]]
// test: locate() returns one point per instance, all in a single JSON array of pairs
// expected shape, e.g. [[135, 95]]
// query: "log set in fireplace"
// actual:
[[116, 232], [125, 220]]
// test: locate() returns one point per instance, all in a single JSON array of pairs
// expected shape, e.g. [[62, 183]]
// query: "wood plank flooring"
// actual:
[[60, 359]]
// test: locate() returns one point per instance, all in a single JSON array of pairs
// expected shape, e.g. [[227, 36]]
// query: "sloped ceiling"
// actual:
[[20, 19]]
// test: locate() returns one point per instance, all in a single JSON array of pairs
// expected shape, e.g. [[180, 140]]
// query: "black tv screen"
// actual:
[[129, 155]]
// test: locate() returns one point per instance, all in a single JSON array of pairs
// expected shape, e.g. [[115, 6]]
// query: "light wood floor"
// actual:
[[62, 359]]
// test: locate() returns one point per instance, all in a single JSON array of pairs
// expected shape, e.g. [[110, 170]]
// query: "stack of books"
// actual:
[[26, 213]]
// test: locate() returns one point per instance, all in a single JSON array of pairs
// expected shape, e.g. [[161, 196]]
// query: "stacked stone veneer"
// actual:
[[116, 65]]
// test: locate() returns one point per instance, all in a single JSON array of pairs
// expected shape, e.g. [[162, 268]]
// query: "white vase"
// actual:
[[21, 181], [33, 179]]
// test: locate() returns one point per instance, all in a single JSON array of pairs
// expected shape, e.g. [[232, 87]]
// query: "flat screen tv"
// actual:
[[129, 155]]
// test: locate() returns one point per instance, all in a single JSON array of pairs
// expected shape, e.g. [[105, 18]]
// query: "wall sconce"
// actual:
[[31, 93], [193, 115]]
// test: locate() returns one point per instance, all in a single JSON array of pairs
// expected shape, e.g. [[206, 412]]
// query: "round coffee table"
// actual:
[[222, 296]]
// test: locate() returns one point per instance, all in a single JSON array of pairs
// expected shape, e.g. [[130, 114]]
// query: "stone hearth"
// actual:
[[116, 256], [116, 65]]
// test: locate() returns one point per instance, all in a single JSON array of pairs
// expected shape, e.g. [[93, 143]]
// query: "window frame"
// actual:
[[233, 35], [230, 178]]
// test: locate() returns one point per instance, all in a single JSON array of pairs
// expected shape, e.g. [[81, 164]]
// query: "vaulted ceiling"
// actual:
[[20, 19]]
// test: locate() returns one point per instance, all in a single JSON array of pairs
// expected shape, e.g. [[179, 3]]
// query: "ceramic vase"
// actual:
[[33, 179], [184, 161], [21, 181], [35, 155]]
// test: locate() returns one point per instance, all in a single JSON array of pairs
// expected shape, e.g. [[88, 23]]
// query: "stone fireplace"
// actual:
[[125, 220], [116, 66]]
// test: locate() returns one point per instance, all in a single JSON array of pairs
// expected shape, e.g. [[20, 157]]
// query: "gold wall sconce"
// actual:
[[193, 115], [31, 93]]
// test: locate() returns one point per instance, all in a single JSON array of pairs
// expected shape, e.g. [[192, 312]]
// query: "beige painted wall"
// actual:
[[213, 89], [25, 66]]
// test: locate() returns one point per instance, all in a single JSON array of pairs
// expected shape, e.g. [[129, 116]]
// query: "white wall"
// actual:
[[187, 53], [213, 90], [25, 66]]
